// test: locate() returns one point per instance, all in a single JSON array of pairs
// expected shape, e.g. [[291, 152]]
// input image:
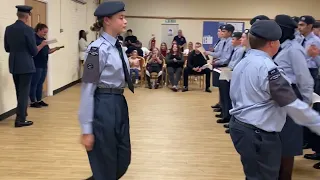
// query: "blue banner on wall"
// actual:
[[210, 30]]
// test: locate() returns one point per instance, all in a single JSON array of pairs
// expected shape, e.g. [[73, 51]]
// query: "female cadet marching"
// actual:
[[103, 113], [291, 58], [261, 98]]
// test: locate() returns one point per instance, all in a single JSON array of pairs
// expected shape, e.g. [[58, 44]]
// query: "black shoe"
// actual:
[[227, 131], [221, 121], [156, 86], [219, 115], [174, 89], [216, 106], [208, 90], [217, 110], [22, 123], [185, 89], [226, 126], [314, 156], [149, 86], [317, 166], [43, 103], [35, 105], [90, 178]]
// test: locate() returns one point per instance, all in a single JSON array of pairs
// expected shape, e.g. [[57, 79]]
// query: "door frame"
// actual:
[[49, 91]]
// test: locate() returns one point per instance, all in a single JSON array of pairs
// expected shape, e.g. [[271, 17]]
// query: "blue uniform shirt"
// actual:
[[292, 60], [262, 96], [41, 59], [111, 76], [224, 51], [311, 39], [236, 57]]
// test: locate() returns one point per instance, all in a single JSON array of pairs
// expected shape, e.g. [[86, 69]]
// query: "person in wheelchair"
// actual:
[[154, 65]]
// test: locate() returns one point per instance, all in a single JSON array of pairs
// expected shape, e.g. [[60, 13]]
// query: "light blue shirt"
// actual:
[[111, 76], [225, 52], [298, 36], [218, 48], [292, 60], [311, 39], [236, 57], [253, 102]]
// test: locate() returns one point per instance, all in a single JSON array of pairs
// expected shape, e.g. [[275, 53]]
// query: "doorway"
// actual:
[[38, 15], [168, 32]]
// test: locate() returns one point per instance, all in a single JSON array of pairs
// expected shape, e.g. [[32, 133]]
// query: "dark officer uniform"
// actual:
[[103, 108], [257, 18], [19, 41], [261, 99]]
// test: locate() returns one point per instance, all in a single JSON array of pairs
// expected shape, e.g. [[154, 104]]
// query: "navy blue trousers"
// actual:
[[225, 101], [111, 153], [38, 79]]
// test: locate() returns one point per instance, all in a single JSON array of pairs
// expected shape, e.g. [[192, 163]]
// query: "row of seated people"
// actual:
[[174, 64]]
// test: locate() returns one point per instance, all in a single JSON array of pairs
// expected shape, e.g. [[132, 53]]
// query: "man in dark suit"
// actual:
[[19, 41]]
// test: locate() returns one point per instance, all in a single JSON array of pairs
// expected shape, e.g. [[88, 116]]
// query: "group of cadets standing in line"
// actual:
[[268, 99]]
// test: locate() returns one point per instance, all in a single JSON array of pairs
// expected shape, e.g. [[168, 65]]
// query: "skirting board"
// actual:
[[13, 111]]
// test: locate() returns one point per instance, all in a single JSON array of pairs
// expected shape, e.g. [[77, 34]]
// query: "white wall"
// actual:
[[196, 11], [63, 65]]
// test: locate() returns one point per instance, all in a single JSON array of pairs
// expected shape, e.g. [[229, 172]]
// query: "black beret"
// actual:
[[23, 8], [307, 19], [295, 18], [316, 24], [109, 8], [257, 18], [266, 29], [286, 21], [228, 27], [237, 34], [220, 27]]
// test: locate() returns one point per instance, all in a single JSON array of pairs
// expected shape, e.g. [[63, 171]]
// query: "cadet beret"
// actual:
[[23, 8], [257, 18], [295, 18], [285, 21], [237, 34], [316, 24], [109, 8], [228, 27], [307, 19], [266, 29]]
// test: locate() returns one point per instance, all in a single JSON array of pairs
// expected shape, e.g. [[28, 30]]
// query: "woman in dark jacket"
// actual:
[[175, 62], [154, 64]]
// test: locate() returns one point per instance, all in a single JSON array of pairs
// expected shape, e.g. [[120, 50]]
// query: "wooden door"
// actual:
[[38, 15]]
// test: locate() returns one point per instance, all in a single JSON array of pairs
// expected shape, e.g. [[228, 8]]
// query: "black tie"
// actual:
[[303, 42], [125, 69], [231, 54], [244, 54]]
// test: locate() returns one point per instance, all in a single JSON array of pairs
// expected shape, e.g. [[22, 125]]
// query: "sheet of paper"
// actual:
[[217, 70], [315, 98], [51, 41], [225, 74]]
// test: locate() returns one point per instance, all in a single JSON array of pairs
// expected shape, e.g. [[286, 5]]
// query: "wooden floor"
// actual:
[[174, 137]]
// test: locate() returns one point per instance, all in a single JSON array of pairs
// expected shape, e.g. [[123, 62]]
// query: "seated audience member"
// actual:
[[120, 38], [152, 42], [154, 64], [135, 65], [175, 62], [181, 40], [164, 49], [135, 46], [190, 48], [196, 65]]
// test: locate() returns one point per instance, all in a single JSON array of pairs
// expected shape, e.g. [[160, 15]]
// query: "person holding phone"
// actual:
[[154, 64], [41, 64]]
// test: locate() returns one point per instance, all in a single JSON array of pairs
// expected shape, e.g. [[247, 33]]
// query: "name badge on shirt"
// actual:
[[91, 70]]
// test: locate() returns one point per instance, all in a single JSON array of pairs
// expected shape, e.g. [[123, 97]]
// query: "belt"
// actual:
[[109, 91], [251, 126]]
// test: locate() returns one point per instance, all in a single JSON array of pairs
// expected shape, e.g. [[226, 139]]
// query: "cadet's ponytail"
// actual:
[[97, 25]]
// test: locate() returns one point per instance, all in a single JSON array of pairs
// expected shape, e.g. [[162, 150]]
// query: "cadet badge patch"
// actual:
[[274, 74]]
